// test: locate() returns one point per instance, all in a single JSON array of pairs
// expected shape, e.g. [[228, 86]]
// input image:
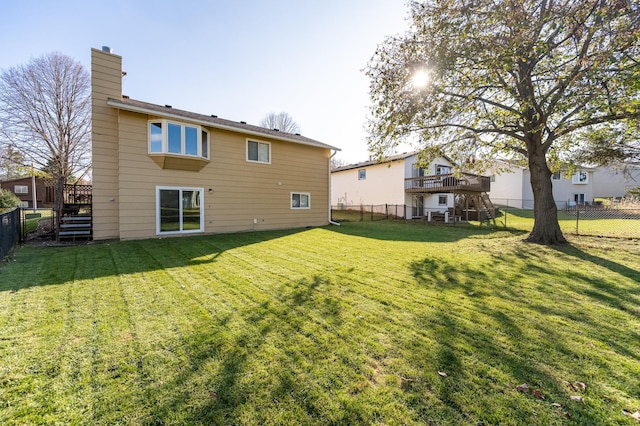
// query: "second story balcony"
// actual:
[[464, 182]]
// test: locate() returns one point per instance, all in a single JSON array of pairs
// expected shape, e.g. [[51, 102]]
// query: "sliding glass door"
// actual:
[[179, 210]]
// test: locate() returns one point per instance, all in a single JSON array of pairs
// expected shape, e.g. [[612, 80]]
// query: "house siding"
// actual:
[[235, 192], [241, 191], [106, 82], [384, 184]]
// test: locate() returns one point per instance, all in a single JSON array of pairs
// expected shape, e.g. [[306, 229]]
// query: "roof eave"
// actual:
[[133, 108]]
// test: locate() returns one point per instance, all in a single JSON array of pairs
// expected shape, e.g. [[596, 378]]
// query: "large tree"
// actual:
[[45, 112], [281, 121], [526, 80]]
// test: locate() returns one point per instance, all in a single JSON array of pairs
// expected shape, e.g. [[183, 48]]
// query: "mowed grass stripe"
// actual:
[[338, 325]]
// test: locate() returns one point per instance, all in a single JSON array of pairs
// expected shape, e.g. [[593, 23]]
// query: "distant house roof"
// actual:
[[389, 159], [212, 121]]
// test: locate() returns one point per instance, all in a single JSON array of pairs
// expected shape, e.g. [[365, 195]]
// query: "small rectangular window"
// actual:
[[362, 174], [21, 189], [259, 152], [443, 200], [442, 170], [300, 200], [580, 178]]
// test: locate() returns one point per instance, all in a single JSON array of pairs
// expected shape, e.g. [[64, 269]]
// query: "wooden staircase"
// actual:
[[488, 207]]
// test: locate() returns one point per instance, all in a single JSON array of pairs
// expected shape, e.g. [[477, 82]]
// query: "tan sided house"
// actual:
[[162, 171]]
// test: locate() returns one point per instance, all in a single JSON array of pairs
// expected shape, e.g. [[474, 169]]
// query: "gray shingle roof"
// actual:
[[212, 121], [373, 162]]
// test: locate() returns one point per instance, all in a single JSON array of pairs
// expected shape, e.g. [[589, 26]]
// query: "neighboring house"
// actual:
[[162, 171], [23, 188], [512, 188], [615, 180], [398, 180]]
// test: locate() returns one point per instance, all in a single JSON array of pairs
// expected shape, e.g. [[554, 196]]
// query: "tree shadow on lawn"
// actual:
[[267, 369], [420, 231], [41, 266], [488, 327]]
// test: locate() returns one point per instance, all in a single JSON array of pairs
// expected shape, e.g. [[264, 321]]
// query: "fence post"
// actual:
[[361, 212], [371, 212], [506, 210], [577, 218]]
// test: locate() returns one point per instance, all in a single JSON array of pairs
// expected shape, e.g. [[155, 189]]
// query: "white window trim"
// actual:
[[181, 231], [575, 179], [446, 203], [308, 194], [258, 142], [165, 138], [23, 189]]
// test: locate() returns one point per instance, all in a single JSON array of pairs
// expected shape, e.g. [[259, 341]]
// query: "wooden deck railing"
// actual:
[[77, 194], [464, 182]]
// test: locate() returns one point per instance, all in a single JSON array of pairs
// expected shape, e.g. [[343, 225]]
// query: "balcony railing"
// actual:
[[464, 182]]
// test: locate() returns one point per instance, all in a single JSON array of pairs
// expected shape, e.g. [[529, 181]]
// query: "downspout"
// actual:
[[330, 221]]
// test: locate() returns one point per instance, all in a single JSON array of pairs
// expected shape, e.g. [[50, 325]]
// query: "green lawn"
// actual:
[[366, 323]]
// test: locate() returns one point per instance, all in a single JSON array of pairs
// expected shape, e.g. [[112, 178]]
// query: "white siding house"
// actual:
[[398, 181], [512, 188]]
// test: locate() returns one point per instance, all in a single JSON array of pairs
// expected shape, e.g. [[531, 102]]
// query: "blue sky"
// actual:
[[238, 59]]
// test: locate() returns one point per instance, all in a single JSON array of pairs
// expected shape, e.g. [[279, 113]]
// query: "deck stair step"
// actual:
[[75, 227]]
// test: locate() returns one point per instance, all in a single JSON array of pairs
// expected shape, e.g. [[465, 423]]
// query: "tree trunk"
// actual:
[[546, 229], [58, 200]]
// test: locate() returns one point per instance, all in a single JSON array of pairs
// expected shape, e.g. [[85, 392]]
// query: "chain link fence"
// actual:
[[9, 231], [618, 219], [38, 224]]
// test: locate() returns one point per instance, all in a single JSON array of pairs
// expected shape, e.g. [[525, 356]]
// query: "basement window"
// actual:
[[300, 200]]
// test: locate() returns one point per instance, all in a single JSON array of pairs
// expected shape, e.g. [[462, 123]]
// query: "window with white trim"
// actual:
[[300, 200], [258, 152], [580, 178], [169, 137], [20, 189], [442, 169], [443, 200], [179, 210]]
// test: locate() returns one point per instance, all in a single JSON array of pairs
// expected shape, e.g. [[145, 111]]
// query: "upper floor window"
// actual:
[[20, 189], [362, 174], [167, 137], [580, 178], [258, 152], [442, 169], [556, 176]]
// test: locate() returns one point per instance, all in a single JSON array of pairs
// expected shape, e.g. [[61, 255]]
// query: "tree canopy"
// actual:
[[528, 80]]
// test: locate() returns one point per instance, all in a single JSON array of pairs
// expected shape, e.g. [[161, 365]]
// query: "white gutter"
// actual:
[[143, 110], [330, 221]]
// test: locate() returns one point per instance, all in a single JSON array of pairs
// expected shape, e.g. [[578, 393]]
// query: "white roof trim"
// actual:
[[132, 108]]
